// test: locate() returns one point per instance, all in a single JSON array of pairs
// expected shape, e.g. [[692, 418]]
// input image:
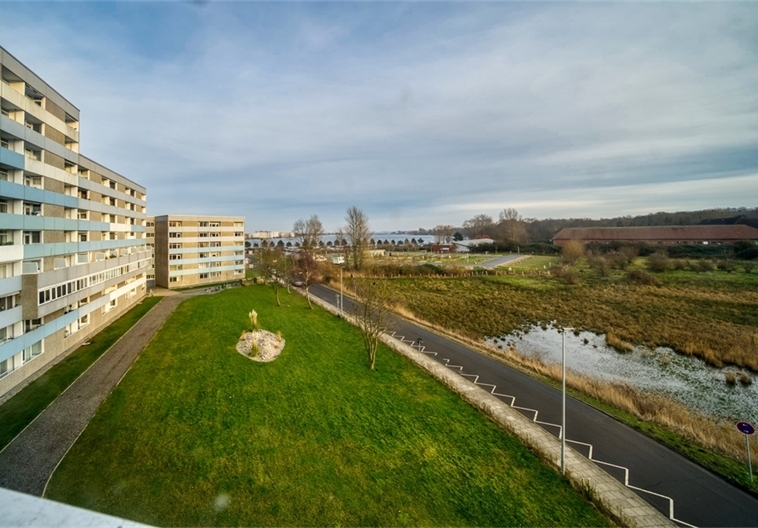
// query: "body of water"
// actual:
[[686, 379]]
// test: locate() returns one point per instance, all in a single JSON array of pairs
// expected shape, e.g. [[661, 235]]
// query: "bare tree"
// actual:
[[358, 234], [572, 251], [512, 225], [443, 234], [371, 313], [479, 225], [270, 264], [308, 233]]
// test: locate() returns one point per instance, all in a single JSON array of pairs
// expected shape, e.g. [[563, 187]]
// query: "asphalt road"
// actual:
[[499, 261], [679, 488]]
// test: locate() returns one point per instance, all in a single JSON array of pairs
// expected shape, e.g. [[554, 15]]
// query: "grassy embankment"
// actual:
[[21, 409], [197, 434], [713, 316]]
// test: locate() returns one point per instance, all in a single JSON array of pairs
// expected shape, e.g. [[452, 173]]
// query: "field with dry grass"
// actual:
[[713, 316]]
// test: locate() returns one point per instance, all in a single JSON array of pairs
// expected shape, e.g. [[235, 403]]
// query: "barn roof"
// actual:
[[659, 233]]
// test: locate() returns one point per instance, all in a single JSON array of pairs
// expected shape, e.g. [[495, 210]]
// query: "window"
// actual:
[[32, 237], [31, 324], [174, 245], [152, 235], [5, 239], [112, 201], [6, 333], [203, 275], [112, 184], [215, 224], [175, 224], [202, 224], [6, 365], [8, 302], [33, 181], [202, 235], [32, 351], [3, 205], [203, 255], [33, 209], [83, 320], [82, 236], [83, 215], [173, 279], [238, 234], [83, 194], [174, 234], [4, 175], [175, 257], [150, 224], [215, 244], [238, 224]]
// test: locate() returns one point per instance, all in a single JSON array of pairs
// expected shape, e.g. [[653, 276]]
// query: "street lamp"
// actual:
[[341, 314], [563, 403]]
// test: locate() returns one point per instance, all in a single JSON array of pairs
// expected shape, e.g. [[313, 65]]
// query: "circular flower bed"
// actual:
[[260, 345]]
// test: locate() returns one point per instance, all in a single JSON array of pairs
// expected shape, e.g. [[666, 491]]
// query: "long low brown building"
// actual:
[[693, 234]]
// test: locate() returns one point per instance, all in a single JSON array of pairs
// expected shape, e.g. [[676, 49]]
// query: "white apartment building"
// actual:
[[72, 247], [196, 250]]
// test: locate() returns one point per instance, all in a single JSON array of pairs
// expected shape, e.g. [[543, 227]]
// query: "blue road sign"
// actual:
[[745, 428]]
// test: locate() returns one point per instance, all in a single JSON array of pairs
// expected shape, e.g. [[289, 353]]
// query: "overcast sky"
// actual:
[[420, 113]]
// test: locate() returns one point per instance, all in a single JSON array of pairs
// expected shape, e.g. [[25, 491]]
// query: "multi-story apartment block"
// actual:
[[196, 250], [72, 252]]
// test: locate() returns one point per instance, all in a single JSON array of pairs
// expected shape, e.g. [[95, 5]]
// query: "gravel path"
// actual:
[[29, 460]]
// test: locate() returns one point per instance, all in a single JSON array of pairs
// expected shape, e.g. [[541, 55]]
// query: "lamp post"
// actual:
[[341, 314], [563, 403]]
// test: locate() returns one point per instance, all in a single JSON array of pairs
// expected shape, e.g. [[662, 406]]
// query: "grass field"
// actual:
[[536, 262], [197, 434], [21, 409]]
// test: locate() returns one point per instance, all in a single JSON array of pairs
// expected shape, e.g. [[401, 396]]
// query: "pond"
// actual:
[[686, 379]]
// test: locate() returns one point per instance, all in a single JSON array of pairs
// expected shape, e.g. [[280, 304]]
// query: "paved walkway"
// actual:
[[501, 261], [28, 461]]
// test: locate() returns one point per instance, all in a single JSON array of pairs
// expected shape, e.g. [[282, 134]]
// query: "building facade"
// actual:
[[72, 247], [196, 250]]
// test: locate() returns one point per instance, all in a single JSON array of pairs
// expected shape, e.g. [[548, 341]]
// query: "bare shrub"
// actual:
[[704, 266], [567, 275], [727, 265], [613, 341], [573, 251], [640, 277], [658, 262], [748, 266]]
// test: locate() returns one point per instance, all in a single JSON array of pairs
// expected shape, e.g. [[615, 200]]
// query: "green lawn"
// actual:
[[538, 262], [197, 434], [20, 410]]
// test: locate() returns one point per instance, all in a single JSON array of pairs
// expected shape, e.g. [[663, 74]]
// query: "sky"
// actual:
[[419, 113]]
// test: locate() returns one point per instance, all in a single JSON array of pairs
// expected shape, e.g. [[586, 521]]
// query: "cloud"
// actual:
[[420, 113]]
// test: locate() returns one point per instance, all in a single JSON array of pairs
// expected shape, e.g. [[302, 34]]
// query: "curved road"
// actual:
[[679, 488]]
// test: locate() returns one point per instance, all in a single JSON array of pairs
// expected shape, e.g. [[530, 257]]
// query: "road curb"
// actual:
[[608, 494]]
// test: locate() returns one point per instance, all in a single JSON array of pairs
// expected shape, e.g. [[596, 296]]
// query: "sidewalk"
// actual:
[[28, 461]]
